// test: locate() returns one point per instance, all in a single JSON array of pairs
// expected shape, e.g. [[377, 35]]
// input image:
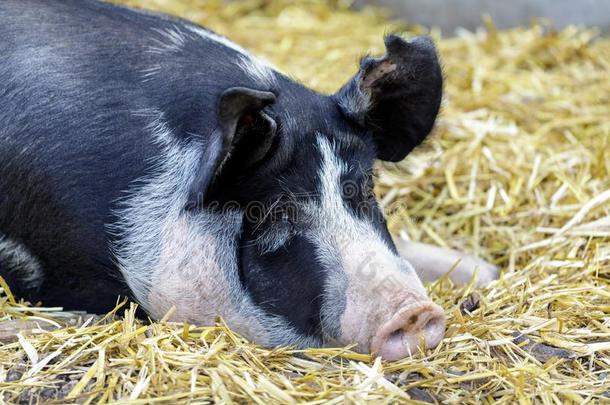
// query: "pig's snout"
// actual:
[[402, 334], [387, 311]]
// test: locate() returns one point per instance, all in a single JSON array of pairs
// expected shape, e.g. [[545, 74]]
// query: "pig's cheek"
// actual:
[[192, 284], [189, 277]]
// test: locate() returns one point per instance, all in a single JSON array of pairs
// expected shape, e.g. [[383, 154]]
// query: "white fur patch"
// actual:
[[174, 39], [354, 102], [150, 72], [257, 70], [167, 40], [155, 198], [21, 263], [375, 282], [253, 66], [189, 275], [211, 36]]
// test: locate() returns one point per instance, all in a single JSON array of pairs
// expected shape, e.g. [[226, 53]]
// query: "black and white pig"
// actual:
[[145, 156]]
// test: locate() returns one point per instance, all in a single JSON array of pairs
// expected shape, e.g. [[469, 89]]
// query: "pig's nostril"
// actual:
[[432, 324], [434, 330], [397, 334], [395, 341], [402, 335]]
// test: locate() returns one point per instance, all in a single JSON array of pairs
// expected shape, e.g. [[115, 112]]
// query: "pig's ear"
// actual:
[[396, 97], [245, 134]]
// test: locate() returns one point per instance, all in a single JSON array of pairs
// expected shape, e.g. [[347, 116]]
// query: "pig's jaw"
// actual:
[[189, 276], [197, 274]]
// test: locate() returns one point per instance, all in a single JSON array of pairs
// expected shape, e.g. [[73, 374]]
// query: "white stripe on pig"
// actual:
[[366, 278]]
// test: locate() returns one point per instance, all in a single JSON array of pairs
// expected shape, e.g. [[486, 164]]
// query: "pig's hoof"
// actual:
[[432, 262], [467, 266]]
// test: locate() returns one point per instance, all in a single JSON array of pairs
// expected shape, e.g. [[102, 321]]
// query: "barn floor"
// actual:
[[517, 172]]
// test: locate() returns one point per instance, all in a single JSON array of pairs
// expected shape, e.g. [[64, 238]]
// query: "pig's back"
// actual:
[[76, 103]]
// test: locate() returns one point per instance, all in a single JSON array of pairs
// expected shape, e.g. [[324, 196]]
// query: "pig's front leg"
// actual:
[[432, 262]]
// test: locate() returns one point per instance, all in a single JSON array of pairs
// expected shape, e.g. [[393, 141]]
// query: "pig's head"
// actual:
[[314, 249]]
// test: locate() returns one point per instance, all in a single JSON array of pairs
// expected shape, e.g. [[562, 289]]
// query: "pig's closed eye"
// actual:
[[275, 233]]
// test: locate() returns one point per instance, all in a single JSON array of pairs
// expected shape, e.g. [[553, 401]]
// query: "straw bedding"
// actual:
[[518, 172]]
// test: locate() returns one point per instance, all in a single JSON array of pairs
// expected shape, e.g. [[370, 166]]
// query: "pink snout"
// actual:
[[402, 335]]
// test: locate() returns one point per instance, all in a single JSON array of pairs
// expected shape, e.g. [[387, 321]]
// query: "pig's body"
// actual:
[[70, 143], [133, 147], [83, 84]]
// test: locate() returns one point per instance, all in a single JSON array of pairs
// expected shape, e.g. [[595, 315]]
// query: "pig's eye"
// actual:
[[286, 212], [274, 237], [276, 230]]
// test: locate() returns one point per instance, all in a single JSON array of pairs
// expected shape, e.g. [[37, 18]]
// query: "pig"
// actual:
[[142, 155]]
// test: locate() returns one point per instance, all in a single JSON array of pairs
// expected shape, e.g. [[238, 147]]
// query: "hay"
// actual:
[[517, 172]]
